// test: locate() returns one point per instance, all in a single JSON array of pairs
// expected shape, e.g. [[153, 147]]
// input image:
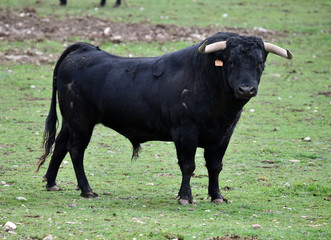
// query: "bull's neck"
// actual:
[[222, 94]]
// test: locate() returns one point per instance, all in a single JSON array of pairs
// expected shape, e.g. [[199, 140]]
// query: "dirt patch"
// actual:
[[232, 237], [29, 55], [325, 93], [26, 25]]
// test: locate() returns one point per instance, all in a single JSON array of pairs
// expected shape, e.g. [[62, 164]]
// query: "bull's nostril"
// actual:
[[252, 90], [246, 91], [249, 89], [241, 90]]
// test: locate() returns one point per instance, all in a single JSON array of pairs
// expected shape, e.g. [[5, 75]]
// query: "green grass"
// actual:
[[289, 199], [295, 15]]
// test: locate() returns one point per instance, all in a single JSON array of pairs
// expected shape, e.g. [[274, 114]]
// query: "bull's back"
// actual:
[[118, 92]]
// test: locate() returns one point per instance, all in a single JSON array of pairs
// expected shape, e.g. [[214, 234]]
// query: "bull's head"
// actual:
[[243, 62]]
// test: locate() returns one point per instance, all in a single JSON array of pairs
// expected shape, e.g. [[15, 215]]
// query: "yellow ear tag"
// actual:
[[218, 63]]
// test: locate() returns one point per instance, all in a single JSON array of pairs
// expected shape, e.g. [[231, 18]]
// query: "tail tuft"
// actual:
[[40, 162], [49, 134]]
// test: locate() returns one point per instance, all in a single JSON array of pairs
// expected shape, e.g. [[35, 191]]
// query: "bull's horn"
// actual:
[[213, 47], [278, 50]]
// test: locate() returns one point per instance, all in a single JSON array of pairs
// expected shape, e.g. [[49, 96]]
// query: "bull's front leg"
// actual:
[[186, 145], [187, 167], [214, 165]]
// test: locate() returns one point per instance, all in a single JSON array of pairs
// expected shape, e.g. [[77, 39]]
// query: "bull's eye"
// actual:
[[230, 63], [260, 64]]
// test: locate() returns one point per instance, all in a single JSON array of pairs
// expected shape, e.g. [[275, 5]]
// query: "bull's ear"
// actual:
[[265, 57]]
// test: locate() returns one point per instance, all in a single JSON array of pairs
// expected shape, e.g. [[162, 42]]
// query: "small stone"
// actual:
[[275, 75], [116, 39], [106, 31], [307, 139], [48, 237], [21, 198], [9, 226], [261, 29], [138, 220], [294, 160], [256, 226], [148, 38]]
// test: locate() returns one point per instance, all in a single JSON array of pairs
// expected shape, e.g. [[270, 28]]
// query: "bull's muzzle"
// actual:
[[246, 92]]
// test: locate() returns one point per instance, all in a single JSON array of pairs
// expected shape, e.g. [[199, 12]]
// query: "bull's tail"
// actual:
[[51, 121]]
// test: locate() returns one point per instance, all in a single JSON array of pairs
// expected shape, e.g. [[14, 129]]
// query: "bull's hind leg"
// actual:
[[59, 153], [78, 142]]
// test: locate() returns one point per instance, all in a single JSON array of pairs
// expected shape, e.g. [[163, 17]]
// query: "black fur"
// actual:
[[181, 97]]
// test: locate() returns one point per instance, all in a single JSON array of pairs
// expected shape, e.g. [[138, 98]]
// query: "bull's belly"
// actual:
[[138, 132]]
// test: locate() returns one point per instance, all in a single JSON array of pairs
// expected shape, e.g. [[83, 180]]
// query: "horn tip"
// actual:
[[202, 48], [289, 54]]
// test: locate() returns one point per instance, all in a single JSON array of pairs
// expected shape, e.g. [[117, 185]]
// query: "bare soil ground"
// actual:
[[27, 26]]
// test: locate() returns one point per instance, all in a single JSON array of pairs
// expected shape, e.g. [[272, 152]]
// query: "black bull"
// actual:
[[181, 97], [102, 3]]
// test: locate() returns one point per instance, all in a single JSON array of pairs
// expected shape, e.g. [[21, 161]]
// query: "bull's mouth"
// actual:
[[244, 98]]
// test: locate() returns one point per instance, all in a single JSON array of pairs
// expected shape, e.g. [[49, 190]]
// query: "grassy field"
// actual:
[[273, 175]]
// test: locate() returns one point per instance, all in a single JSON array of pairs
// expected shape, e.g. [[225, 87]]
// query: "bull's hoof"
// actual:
[[53, 188], [89, 195], [219, 201], [186, 202]]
